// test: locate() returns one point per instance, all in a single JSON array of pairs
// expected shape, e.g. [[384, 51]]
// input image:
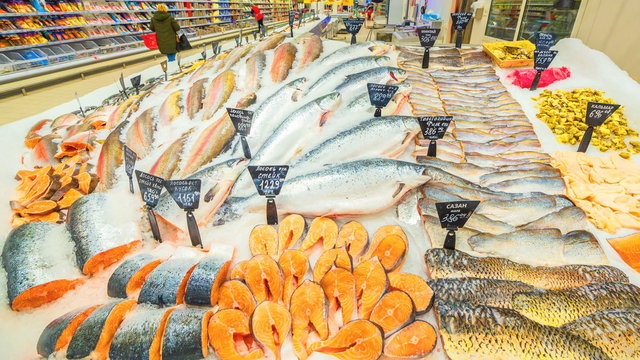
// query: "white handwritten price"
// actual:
[[452, 218]]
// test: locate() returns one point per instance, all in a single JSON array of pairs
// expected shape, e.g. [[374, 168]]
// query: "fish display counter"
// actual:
[[266, 203]]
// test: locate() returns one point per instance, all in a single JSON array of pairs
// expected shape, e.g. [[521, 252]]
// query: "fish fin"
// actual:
[[398, 190], [325, 117]]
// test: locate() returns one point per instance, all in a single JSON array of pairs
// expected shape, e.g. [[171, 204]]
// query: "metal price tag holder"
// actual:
[[453, 215], [150, 189], [186, 194], [269, 180]]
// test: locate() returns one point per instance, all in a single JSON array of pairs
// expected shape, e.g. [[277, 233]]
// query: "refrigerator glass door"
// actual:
[[550, 16], [503, 19]]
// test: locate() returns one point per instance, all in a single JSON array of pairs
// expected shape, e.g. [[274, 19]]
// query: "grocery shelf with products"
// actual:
[[39, 35]]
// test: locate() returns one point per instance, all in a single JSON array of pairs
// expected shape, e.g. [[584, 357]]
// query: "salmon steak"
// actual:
[[270, 325], [415, 286], [354, 237], [231, 338], [357, 340], [371, 283], [394, 310], [308, 317], [340, 289], [323, 230], [415, 340], [337, 257], [264, 278], [263, 240], [294, 265], [290, 230], [234, 294], [391, 251]]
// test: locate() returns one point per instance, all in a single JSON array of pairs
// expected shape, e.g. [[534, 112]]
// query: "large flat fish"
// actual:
[[477, 291], [110, 158], [443, 263], [546, 185], [195, 97], [358, 187], [566, 220], [311, 50], [254, 66], [283, 58], [141, 133], [36, 275], [495, 333], [208, 275], [140, 334], [542, 247], [500, 176], [236, 55], [218, 93], [269, 43], [98, 241], [171, 108], [167, 164], [185, 334], [613, 331], [522, 211], [558, 307]]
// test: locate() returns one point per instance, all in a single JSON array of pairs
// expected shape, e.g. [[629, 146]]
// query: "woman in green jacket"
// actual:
[[166, 28]]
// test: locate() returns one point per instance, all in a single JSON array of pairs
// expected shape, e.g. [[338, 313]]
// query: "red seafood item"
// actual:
[[524, 77]]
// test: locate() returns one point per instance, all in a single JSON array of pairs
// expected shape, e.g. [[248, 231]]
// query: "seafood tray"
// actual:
[[499, 50]]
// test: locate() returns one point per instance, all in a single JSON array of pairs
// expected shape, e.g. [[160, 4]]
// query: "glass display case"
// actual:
[[503, 19]]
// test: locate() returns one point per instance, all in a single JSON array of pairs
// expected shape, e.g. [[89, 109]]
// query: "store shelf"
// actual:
[[61, 42], [84, 12]]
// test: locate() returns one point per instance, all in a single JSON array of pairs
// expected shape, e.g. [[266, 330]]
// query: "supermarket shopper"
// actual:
[[166, 28], [255, 11]]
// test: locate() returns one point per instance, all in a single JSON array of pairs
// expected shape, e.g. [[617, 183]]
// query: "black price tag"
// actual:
[[544, 41], [203, 53], [130, 157], [428, 36], [241, 119], [269, 181], [433, 128], [380, 95], [135, 82], [215, 48], [353, 27], [597, 114], [543, 58], [453, 215], [124, 88], [186, 193], [150, 187], [461, 20]]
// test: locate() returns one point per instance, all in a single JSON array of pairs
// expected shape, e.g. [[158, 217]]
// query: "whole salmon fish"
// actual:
[[283, 58]]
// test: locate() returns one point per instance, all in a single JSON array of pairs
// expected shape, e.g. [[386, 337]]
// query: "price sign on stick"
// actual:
[[453, 215], [129, 163], [80, 105], [541, 61], [269, 180], [427, 38], [460, 22], [135, 82], [292, 18], [163, 65], [353, 27], [241, 120], [380, 95], [186, 193], [544, 41], [597, 114], [150, 189], [433, 128], [122, 85]]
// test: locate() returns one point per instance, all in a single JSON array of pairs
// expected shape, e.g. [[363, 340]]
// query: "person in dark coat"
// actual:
[[166, 28], [255, 11]]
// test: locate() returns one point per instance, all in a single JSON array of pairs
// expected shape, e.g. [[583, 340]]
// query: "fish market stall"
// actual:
[[302, 198]]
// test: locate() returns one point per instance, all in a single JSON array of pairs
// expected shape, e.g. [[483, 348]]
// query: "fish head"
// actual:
[[404, 88], [329, 102], [246, 101], [379, 49], [397, 75], [382, 60], [297, 86]]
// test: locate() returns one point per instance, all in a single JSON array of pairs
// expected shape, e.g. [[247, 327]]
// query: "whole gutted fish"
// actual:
[[497, 177], [167, 164], [110, 158], [566, 220], [254, 66], [35, 274], [485, 332], [542, 247], [558, 307], [218, 93], [311, 50], [522, 211], [141, 134], [336, 75], [170, 108], [613, 331], [269, 43], [283, 58], [467, 171], [443, 263], [357, 83], [370, 48], [234, 56], [358, 187], [546, 185], [477, 291], [195, 98]]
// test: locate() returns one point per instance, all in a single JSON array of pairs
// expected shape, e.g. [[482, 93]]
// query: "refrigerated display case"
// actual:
[[510, 20]]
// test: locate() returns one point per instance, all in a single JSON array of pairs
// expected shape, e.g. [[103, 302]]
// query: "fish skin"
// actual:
[[235, 55], [613, 331], [118, 115], [357, 82], [254, 66], [162, 284], [499, 176], [141, 134], [370, 48], [110, 158], [443, 263], [167, 164], [488, 160], [92, 232], [358, 187], [478, 291], [566, 220], [212, 140], [28, 265], [345, 69], [283, 58], [195, 97], [467, 171], [218, 92], [304, 316], [546, 185], [182, 339], [542, 247], [385, 136], [48, 341], [363, 103], [495, 333], [559, 307], [170, 108], [270, 43], [117, 285], [311, 50], [135, 336], [522, 211], [202, 288], [65, 120]]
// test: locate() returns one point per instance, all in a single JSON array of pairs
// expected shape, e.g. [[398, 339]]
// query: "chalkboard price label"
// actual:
[[598, 113], [381, 94], [453, 215], [428, 36], [241, 119], [543, 58], [353, 27], [150, 187], [461, 20], [544, 41], [434, 127], [268, 179], [186, 193]]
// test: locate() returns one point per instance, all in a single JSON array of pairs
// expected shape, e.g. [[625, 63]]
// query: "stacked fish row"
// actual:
[[492, 307], [352, 302], [523, 214]]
